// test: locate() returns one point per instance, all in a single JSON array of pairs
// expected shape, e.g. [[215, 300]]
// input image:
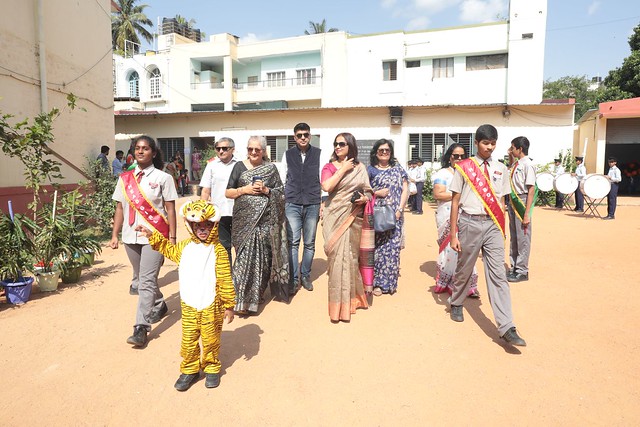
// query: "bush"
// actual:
[[99, 205]]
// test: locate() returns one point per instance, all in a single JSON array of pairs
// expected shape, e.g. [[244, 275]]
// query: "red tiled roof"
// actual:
[[620, 109]]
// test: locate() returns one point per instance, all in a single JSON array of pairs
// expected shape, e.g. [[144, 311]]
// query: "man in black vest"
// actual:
[[302, 192]]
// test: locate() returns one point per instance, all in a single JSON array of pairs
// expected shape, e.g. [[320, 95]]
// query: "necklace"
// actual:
[[383, 167]]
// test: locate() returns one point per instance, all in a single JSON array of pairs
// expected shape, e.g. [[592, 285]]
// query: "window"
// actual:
[[169, 146], [389, 70], [252, 81], [134, 85], [486, 62], [430, 146], [442, 68], [275, 79], [154, 83], [412, 64], [306, 77]]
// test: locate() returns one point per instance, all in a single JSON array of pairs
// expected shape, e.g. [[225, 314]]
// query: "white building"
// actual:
[[423, 89]]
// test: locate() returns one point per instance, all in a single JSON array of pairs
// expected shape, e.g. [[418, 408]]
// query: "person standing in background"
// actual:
[[614, 177], [102, 158], [558, 169], [580, 174], [420, 178], [196, 167], [118, 163]]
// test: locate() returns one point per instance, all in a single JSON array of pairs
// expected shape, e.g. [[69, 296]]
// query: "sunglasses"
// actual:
[[225, 149], [384, 150], [254, 150], [302, 135], [340, 144], [458, 156]]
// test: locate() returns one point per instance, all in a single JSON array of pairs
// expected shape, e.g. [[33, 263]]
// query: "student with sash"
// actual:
[[479, 186], [145, 196], [522, 199]]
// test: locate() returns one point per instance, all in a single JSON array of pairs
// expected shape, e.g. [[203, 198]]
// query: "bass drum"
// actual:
[[544, 181], [565, 183], [595, 186]]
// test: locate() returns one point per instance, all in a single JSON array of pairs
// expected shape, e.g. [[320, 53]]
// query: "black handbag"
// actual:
[[384, 218]]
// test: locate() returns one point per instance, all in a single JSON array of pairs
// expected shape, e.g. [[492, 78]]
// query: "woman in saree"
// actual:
[[347, 184], [390, 185], [447, 257], [258, 234]]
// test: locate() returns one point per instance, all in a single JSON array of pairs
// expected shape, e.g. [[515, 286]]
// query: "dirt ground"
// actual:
[[402, 362]]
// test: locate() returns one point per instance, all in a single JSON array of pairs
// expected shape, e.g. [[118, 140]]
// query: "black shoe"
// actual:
[[306, 283], [456, 313], [512, 337], [139, 337], [510, 275], [579, 210], [609, 217], [157, 313], [132, 290], [185, 381], [518, 278], [212, 380]]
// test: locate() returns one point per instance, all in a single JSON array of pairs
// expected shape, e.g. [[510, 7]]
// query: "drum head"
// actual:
[[595, 186], [544, 181], [565, 183]]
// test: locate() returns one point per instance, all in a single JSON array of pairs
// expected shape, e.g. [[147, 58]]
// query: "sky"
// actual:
[[584, 37]]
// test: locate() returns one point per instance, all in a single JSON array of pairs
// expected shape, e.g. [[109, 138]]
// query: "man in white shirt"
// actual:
[[580, 174], [214, 183], [558, 169], [614, 177], [420, 178]]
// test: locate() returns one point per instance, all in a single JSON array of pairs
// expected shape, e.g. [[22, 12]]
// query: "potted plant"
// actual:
[[16, 233]]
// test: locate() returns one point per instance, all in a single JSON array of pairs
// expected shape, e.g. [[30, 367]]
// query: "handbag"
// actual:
[[384, 218]]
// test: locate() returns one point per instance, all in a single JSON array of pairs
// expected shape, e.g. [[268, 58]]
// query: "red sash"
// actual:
[[137, 200], [479, 182]]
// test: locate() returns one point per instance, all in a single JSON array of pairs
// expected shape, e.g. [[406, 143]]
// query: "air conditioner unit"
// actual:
[[396, 115]]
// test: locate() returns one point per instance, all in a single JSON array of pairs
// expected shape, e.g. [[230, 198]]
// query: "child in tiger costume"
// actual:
[[207, 295]]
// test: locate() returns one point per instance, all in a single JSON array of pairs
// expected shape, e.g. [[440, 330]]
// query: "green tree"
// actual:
[[129, 23], [319, 28], [627, 77]]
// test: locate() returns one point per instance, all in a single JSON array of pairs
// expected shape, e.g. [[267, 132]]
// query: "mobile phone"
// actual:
[[356, 196], [256, 178]]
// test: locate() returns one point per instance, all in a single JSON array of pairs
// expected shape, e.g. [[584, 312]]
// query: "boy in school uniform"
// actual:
[[580, 174], [558, 169], [479, 186], [614, 176], [521, 201]]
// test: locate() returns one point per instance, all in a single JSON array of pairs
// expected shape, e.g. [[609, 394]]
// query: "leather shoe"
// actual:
[[157, 313], [185, 381], [139, 337], [518, 277], [608, 217], [456, 313], [212, 380], [132, 290], [306, 283], [512, 337]]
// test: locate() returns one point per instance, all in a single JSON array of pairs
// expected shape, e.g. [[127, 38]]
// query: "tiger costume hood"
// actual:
[[195, 211]]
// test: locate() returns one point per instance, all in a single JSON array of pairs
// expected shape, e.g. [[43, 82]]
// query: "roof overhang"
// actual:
[[624, 108]]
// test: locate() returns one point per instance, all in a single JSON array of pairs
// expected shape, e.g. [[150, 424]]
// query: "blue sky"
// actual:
[[584, 37]]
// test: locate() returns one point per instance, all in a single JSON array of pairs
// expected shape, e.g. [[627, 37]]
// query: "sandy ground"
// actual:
[[401, 362]]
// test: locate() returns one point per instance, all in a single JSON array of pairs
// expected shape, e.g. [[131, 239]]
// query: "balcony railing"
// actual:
[[207, 85], [278, 83]]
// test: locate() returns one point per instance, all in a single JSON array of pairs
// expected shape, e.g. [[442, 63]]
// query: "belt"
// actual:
[[476, 216]]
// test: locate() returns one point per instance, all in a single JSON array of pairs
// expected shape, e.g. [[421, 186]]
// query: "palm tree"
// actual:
[[128, 23], [319, 28]]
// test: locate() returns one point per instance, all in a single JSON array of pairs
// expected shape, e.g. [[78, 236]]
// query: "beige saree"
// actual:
[[341, 229]]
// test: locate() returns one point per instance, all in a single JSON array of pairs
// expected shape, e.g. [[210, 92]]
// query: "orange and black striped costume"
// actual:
[[206, 288]]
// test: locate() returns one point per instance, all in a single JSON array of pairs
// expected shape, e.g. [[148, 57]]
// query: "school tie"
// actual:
[[132, 212], [486, 169]]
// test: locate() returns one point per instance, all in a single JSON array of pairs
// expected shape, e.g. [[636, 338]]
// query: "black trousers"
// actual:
[[224, 233], [612, 199]]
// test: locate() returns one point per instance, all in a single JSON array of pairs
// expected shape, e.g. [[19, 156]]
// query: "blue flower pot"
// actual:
[[18, 292]]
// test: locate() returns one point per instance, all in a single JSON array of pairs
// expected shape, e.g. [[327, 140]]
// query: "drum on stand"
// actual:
[[544, 181], [595, 186], [565, 183]]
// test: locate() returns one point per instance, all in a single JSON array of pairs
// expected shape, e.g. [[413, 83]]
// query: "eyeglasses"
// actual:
[[302, 135], [225, 149], [458, 156], [254, 150], [340, 144], [384, 150]]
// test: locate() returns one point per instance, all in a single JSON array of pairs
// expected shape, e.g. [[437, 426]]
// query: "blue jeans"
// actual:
[[302, 222]]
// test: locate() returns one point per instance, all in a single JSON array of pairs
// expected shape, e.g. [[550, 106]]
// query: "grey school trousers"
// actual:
[[146, 265], [519, 240], [478, 233]]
